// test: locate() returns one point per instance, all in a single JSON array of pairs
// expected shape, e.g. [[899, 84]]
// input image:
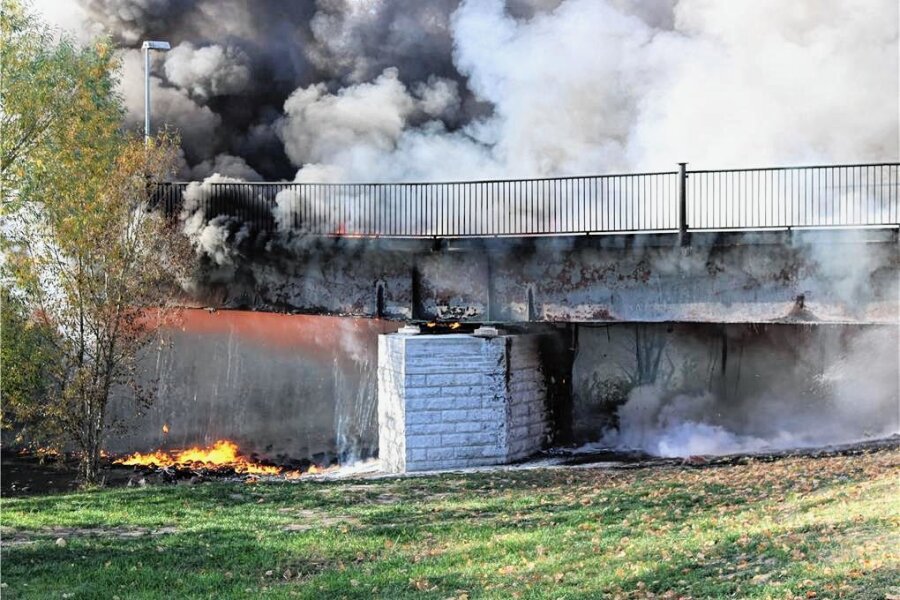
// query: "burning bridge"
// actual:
[[705, 283], [802, 244]]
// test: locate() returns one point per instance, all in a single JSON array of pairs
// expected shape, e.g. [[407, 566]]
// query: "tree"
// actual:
[[90, 260], [94, 266], [41, 76]]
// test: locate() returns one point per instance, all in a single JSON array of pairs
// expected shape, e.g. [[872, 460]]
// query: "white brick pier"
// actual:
[[458, 400]]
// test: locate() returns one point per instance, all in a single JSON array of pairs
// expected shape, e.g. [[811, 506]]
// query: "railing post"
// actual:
[[682, 204]]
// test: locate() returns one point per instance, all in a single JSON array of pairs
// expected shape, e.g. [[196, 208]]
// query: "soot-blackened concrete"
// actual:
[[760, 277]]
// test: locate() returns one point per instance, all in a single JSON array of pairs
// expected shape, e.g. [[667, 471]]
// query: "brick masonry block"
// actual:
[[453, 401]]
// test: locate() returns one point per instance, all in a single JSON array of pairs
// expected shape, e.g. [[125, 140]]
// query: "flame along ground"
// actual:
[[223, 454]]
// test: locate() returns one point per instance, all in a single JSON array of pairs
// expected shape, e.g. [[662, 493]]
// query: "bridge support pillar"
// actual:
[[459, 400]]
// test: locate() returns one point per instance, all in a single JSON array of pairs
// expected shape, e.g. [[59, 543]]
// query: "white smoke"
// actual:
[[684, 425], [224, 164], [365, 117], [852, 397], [598, 86], [208, 71]]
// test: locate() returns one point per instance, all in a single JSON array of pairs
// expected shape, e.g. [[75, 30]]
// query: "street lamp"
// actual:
[[147, 47]]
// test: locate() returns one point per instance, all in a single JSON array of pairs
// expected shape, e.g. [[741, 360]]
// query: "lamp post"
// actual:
[[147, 46]]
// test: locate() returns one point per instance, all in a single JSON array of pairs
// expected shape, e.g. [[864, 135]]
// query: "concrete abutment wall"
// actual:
[[303, 387]]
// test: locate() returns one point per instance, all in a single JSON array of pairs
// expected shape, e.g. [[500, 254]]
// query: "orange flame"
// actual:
[[223, 453], [165, 428]]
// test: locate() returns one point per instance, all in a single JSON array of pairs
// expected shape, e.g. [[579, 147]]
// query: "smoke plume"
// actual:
[[402, 90], [784, 387]]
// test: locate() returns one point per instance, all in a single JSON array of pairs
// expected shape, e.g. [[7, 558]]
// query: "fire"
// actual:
[[41, 452], [165, 428], [222, 454], [451, 326]]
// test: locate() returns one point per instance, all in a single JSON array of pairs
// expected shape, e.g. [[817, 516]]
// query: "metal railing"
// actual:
[[821, 196], [674, 201]]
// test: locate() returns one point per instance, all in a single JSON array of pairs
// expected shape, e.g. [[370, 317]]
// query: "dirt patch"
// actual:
[[308, 519], [29, 475]]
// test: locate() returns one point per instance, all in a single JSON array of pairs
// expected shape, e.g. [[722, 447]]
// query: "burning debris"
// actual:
[[223, 458]]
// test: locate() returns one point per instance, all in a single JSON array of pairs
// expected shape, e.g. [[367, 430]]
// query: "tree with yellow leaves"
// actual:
[[85, 252]]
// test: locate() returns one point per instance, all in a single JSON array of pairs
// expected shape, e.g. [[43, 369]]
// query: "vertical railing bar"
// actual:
[[495, 204], [819, 210], [879, 215], [551, 200], [894, 193], [773, 186], [808, 192], [836, 218], [479, 203], [584, 186], [483, 199], [870, 203], [615, 209], [532, 210], [620, 212], [605, 221], [642, 207], [752, 194], [491, 208], [631, 202], [400, 219], [842, 197]]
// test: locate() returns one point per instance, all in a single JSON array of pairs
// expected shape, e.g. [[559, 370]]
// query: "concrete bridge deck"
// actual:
[[802, 245]]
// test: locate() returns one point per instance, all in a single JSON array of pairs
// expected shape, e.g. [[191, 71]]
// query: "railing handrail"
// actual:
[[420, 183], [797, 168], [548, 178]]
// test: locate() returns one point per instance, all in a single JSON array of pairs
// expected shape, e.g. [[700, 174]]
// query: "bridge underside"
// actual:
[[848, 276]]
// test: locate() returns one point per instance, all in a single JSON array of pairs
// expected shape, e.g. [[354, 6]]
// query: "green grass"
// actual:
[[799, 527]]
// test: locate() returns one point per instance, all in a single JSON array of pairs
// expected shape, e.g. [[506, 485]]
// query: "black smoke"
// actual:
[[276, 47]]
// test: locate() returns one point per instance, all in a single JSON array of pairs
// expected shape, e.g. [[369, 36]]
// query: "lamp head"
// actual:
[[150, 45]]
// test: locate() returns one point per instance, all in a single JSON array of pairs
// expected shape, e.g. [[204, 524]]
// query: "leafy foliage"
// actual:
[[24, 355], [84, 251], [59, 105]]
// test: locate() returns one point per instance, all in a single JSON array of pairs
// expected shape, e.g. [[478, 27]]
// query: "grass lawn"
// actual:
[[797, 527]]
